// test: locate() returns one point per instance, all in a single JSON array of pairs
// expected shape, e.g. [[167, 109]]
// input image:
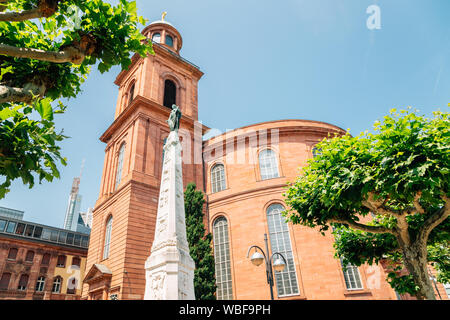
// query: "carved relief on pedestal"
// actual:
[[157, 286]]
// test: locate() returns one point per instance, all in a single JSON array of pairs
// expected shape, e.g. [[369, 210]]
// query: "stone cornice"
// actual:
[[140, 101], [236, 134]]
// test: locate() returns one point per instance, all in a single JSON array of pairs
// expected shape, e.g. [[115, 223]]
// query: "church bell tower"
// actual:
[[124, 216]]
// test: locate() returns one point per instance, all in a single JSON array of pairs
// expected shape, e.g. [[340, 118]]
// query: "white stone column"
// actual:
[[169, 270]]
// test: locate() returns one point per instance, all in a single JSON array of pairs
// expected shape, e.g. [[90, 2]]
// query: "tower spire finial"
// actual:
[[164, 14]]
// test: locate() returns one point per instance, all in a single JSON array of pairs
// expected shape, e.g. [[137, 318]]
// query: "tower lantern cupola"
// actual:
[[165, 34]]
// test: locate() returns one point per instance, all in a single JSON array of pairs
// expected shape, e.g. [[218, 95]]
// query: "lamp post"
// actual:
[[258, 258]]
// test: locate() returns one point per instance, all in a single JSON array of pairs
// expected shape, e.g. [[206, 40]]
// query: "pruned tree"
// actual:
[[46, 50], [386, 194], [199, 244]]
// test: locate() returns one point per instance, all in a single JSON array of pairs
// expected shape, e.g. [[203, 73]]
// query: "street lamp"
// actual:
[[259, 257]]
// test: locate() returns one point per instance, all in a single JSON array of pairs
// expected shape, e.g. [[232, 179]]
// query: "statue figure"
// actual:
[[174, 118]]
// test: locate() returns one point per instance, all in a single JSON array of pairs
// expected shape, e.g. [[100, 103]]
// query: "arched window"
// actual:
[[156, 37], [222, 259], [286, 281], [169, 41], [107, 237], [40, 284], [56, 288], [170, 93], [130, 94], [30, 256], [218, 178], [119, 165], [268, 164], [12, 254], [4, 281], [351, 277], [23, 282]]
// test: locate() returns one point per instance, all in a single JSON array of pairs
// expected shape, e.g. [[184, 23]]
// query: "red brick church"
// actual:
[[243, 173]]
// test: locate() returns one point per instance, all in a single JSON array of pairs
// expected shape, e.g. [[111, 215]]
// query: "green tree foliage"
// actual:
[[386, 194], [47, 48], [199, 244]]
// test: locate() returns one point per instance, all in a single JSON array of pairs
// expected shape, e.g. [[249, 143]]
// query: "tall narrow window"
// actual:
[[351, 277], [4, 281], [23, 282], [222, 259], [131, 94], [268, 164], [170, 93], [286, 281], [12, 254], [45, 259], [107, 238], [218, 178], [40, 284], [119, 165], [56, 288], [30, 256]]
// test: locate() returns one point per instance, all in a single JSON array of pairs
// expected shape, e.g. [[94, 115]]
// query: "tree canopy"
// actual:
[[47, 48], [387, 196]]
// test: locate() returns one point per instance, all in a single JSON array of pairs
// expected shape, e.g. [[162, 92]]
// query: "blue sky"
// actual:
[[269, 60]]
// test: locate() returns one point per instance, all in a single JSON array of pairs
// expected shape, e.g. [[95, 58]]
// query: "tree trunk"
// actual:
[[415, 260]]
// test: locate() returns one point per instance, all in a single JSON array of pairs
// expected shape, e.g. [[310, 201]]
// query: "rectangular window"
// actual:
[[37, 232], [23, 282], [62, 237], [4, 281], [11, 227], [29, 230], [61, 263], [85, 242], [70, 238], [54, 235], [2, 225], [77, 240], [46, 234], [20, 229]]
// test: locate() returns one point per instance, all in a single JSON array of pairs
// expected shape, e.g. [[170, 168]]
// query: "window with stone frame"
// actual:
[[170, 93], [56, 287], [40, 284], [23, 282], [131, 94], [352, 277], [76, 261], [4, 281], [12, 253], [61, 262], [45, 259], [286, 280], [222, 259], [268, 164], [218, 182], [108, 229], [30, 256], [120, 165]]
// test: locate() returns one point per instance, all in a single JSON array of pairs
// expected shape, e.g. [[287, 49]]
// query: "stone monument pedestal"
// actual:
[[169, 270]]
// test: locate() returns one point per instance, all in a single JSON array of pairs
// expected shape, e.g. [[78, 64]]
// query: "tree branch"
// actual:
[[21, 16], [416, 203], [363, 227], [377, 205], [45, 8], [69, 54], [434, 220], [26, 94]]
